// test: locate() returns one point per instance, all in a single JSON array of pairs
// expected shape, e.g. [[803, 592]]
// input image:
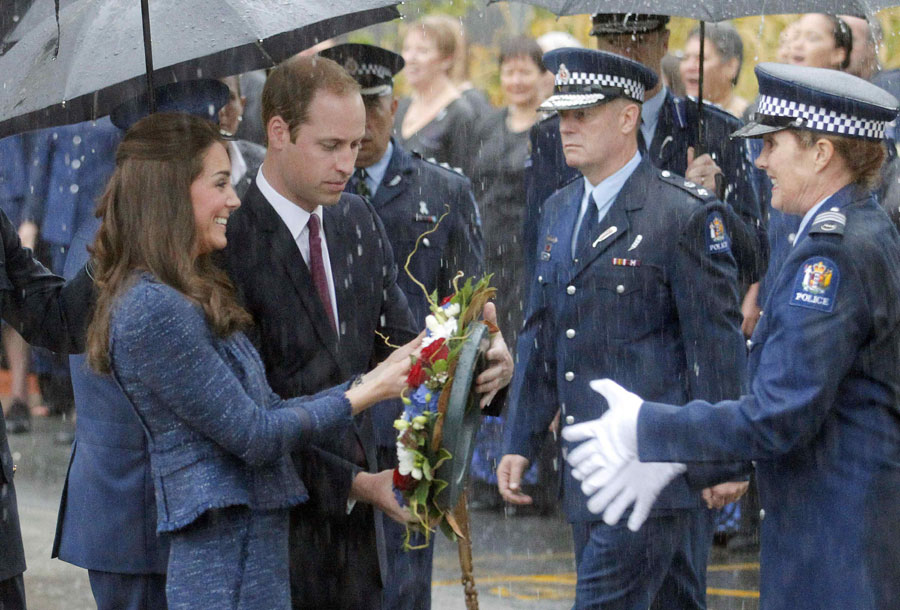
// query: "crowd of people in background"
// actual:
[[443, 148]]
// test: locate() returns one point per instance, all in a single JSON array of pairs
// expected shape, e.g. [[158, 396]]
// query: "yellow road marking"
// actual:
[[729, 567], [733, 593]]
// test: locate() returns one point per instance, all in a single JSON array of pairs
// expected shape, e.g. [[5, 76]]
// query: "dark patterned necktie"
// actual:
[[588, 225], [317, 267], [361, 187]]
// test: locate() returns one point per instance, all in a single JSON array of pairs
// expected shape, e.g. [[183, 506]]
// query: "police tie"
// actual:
[[360, 186], [317, 267], [588, 225]]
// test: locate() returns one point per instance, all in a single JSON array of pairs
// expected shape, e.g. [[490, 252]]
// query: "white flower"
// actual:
[[406, 459], [452, 309]]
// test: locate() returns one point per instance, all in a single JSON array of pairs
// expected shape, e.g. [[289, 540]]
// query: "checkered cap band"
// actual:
[[376, 70], [632, 88], [822, 119]]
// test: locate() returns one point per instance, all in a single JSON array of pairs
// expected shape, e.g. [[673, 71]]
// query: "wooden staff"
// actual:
[[461, 515]]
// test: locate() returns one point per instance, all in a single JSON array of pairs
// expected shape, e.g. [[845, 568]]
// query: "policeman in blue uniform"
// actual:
[[822, 418], [669, 128], [410, 195], [635, 280]]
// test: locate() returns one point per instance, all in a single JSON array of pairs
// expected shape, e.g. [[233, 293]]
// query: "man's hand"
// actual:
[[500, 363], [751, 310], [510, 471], [378, 490], [28, 232], [701, 170], [719, 495]]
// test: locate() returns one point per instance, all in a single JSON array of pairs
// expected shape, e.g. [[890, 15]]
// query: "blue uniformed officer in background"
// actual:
[[822, 418], [668, 130], [634, 279], [410, 195]]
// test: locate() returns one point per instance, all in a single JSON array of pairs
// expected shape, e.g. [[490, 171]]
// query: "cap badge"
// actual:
[[562, 75], [351, 65]]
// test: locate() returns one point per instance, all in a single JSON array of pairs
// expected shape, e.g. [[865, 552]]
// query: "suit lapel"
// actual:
[[286, 255], [341, 247]]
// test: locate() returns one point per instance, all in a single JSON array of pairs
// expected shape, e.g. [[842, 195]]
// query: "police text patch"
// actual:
[[816, 284], [717, 240]]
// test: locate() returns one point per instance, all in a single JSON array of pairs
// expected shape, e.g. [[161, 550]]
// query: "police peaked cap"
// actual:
[[626, 23], [818, 99], [585, 77], [203, 98], [372, 67]]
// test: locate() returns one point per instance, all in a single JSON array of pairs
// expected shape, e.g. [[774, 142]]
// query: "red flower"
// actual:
[[436, 350], [403, 482], [416, 375], [447, 300]]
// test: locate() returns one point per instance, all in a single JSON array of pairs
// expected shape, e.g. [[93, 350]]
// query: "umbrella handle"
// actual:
[[700, 148], [148, 55]]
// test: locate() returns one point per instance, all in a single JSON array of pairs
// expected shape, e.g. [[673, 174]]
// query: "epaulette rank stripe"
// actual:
[[830, 222]]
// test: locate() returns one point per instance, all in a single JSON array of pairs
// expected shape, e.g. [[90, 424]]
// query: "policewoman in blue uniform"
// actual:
[[410, 195], [822, 418], [668, 129], [635, 280]]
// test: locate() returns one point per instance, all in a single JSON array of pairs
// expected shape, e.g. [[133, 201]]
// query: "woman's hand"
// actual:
[[387, 380]]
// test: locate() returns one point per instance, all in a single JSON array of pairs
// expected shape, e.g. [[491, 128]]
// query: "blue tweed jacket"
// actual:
[[218, 435]]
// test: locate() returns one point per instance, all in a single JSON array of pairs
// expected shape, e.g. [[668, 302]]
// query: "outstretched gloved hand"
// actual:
[[638, 484], [610, 442]]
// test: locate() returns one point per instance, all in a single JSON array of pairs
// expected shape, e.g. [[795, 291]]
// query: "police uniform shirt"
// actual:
[[296, 219], [238, 164], [810, 214], [604, 195], [375, 172], [650, 115]]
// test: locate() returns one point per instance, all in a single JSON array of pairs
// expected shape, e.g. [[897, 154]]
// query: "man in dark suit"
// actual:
[[315, 269], [635, 280], [410, 195]]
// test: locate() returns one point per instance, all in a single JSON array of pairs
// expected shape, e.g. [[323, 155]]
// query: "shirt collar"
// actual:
[[650, 114], [376, 171], [605, 192], [291, 214], [238, 164], [810, 214]]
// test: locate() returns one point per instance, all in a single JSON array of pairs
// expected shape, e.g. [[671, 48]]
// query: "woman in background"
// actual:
[[723, 56], [436, 121], [168, 327]]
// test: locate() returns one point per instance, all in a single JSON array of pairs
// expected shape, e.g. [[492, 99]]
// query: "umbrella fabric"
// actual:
[[100, 61], [711, 10]]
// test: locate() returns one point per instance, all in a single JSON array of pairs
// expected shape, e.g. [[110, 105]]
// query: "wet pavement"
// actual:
[[521, 560]]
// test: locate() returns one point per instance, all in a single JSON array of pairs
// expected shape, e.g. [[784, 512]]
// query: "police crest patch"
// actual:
[[717, 240], [816, 284]]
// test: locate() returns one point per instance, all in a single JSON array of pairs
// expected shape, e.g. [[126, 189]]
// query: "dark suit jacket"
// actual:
[[303, 354], [253, 155]]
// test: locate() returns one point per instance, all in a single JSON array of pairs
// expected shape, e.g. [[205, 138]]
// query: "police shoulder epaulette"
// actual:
[[829, 222], [686, 185], [713, 111], [443, 165]]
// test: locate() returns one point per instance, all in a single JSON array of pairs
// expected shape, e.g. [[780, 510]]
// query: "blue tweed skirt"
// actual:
[[230, 558]]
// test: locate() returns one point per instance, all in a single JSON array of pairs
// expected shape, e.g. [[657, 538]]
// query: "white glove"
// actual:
[[611, 440], [638, 483]]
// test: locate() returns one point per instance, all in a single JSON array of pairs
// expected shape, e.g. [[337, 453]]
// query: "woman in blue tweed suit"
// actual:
[[167, 326]]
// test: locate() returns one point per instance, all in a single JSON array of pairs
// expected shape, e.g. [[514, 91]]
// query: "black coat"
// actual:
[[35, 303], [303, 354]]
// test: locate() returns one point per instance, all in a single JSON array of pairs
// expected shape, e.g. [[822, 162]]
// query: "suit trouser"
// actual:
[[12, 593], [117, 591], [654, 567], [408, 585], [334, 561]]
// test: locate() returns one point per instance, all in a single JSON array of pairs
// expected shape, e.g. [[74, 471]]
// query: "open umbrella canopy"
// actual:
[[711, 10], [97, 60]]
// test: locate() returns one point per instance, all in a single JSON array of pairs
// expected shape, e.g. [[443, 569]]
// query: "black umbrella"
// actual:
[[99, 52]]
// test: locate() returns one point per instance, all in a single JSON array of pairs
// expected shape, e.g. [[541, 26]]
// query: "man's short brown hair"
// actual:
[[292, 85]]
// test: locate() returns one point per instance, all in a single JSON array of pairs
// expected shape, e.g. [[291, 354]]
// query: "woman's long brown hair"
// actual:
[[148, 225]]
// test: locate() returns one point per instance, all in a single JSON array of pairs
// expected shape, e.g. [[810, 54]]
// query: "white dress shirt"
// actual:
[[296, 219]]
